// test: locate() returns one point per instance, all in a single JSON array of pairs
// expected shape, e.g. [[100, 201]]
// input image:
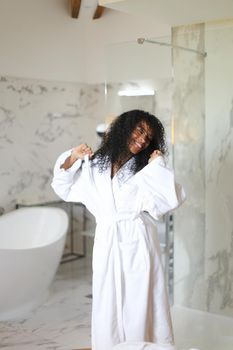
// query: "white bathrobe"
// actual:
[[129, 294]]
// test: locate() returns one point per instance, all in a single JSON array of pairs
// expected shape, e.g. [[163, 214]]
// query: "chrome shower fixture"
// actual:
[[142, 40]]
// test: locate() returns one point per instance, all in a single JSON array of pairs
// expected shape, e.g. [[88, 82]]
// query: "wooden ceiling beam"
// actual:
[[98, 12], [75, 8]]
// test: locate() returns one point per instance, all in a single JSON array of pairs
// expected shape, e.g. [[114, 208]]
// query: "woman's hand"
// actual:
[[80, 151], [77, 152], [155, 155]]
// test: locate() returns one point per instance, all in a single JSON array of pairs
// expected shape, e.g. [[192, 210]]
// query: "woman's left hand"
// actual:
[[155, 155]]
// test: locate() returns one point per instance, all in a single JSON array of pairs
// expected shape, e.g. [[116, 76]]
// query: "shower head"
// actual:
[[140, 41]]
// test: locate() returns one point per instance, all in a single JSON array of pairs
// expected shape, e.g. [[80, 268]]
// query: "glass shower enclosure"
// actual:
[[144, 74], [192, 93]]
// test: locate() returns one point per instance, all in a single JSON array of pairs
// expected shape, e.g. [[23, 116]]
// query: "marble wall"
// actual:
[[38, 120], [219, 168], [189, 162], [203, 113]]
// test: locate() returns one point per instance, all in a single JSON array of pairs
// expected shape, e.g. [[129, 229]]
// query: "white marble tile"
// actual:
[[63, 321], [219, 168], [189, 129], [39, 120], [203, 161]]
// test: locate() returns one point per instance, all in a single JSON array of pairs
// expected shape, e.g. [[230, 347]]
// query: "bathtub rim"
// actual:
[[60, 236]]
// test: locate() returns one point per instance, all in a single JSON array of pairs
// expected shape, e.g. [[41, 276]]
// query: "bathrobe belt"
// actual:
[[113, 221]]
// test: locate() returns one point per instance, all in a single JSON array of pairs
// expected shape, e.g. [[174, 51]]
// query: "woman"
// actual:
[[125, 184]]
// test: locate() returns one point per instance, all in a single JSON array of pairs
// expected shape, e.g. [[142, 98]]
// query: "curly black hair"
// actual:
[[114, 146]]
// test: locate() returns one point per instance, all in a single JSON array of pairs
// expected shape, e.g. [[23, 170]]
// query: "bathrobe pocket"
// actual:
[[133, 257]]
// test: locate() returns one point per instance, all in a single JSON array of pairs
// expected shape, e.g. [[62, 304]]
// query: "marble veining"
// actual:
[[64, 320], [219, 168], [189, 130], [231, 114], [221, 281], [34, 117], [203, 143], [38, 120]]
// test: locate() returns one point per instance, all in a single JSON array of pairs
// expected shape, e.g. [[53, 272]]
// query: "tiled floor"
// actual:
[[63, 322]]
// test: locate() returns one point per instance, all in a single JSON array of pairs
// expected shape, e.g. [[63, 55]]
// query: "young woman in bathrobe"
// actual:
[[125, 184]]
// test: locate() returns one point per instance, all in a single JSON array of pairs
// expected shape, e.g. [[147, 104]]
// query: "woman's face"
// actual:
[[140, 138]]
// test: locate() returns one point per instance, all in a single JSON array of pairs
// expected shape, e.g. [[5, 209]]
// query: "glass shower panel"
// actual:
[[176, 77], [140, 77], [189, 162], [219, 167], [203, 157], [193, 98]]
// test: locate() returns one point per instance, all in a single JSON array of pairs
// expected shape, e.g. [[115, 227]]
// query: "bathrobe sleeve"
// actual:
[[64, 181], [157, 188]]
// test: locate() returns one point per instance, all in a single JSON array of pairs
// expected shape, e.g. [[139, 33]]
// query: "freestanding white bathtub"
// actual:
[[31, 245]]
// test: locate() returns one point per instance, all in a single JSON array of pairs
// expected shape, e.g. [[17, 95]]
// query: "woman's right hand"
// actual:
[[77, 152], [80, 151]]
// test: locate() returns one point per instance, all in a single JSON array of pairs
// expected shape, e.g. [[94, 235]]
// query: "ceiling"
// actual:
[[77, 5], [175, 12]]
